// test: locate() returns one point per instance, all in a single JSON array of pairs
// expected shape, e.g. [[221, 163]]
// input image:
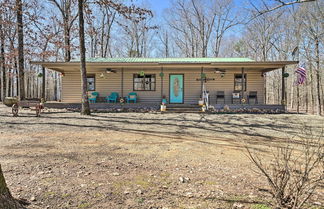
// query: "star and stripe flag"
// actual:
[[301, 74]]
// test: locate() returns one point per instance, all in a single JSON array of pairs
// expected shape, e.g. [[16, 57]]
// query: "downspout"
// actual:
[[242, 85]]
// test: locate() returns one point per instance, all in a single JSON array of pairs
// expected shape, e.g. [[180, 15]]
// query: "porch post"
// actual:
[[242, 85], [283, 87], [161, 83], [201, 80], [122, 82]]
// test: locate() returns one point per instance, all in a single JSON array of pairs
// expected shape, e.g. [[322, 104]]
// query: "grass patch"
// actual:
[[143, 181], [66, 195], [47, 194], [210, 182], [260, 206], [84, 205], [98, 195], [140, 200]]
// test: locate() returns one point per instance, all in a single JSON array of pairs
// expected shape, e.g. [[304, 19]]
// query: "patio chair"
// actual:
[[253, 95], [131, 97], [93, 97], [113, 97], [220, 95]]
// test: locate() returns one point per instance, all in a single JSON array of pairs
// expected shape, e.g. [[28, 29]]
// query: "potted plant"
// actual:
[[201, 102], [164, 100], [163, 104]]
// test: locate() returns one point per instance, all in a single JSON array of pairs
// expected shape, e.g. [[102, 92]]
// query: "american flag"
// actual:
[[301, 74]]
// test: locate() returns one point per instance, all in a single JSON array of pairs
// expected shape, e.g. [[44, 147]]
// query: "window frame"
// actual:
[[94, 81], [139, 76], [245, 81]]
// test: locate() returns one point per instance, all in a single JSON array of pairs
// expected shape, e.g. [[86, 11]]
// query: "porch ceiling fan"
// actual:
[[218, 70], [109, 70]]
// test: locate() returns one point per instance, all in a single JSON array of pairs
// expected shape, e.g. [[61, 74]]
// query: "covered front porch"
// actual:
[[234, 83]]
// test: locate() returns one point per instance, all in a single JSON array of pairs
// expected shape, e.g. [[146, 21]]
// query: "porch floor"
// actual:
[[62, 105]]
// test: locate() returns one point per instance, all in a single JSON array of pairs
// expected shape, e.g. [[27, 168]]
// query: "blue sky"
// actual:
[[159, 5], [156, 5]]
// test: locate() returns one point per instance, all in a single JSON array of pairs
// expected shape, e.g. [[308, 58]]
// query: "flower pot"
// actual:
[[163, 108]]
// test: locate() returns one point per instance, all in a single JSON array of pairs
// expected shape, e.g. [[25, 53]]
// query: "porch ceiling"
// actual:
[[208, 64]]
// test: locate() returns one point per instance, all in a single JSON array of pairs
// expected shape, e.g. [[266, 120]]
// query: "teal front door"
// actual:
[[176, 88]]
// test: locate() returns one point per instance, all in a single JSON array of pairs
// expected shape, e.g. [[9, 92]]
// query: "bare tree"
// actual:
[[85, 102], [46, 37], [266, 8], [165, 40], [315, 30], [138, 34], [68, 18], [199, 25], [108, 19]]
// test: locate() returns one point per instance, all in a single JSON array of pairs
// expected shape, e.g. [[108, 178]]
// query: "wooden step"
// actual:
[[181, 108]]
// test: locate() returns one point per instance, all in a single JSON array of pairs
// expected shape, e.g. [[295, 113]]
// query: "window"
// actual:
[[91, 82], [238, 82], [144, 83]]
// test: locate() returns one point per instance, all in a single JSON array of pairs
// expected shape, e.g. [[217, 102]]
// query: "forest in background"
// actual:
[[261, 30]]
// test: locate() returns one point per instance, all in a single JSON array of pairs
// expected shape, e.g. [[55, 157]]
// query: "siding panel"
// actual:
[[71, 84]]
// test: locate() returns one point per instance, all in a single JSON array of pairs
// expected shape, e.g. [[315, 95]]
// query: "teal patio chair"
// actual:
[[131, 97], [93, 97], [113, 97]]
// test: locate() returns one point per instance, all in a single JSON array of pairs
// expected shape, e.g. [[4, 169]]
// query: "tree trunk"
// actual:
[[6, 200], [318, 79], [312, 87], [85, 102], [20, 32], [2, 63], [67, 45]]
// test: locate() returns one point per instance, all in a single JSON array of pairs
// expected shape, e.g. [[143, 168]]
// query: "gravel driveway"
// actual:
[[140, 160]]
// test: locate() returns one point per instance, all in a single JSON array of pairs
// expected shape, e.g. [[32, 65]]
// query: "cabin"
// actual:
[[180, 81]]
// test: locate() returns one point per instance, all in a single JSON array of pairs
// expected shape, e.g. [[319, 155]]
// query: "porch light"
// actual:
[[102, 75]]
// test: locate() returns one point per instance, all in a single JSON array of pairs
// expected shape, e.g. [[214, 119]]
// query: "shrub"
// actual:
[[293, 175]]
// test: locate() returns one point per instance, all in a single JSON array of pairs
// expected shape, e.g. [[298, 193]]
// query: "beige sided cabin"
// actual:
[[179, 80]]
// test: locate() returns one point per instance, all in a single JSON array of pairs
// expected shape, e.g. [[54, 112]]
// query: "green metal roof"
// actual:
[[165, 60]]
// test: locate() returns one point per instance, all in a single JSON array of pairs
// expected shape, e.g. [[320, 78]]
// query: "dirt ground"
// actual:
[[141, 160]]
